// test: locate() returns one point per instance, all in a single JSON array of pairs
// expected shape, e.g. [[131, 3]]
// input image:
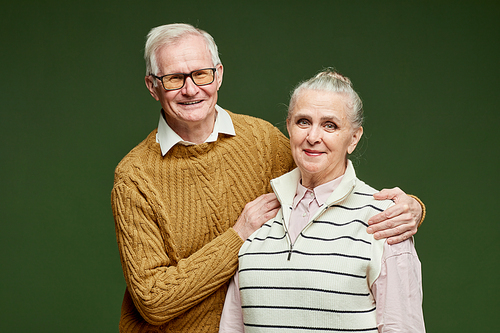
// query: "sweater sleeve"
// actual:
[[281, 156], [161, 291]]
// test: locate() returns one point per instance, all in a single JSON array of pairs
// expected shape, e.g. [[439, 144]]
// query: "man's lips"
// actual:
[[190, 102]]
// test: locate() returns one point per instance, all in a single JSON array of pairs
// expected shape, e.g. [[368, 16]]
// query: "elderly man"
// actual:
[[186, 198]]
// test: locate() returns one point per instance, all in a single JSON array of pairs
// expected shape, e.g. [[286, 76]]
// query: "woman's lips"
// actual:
[[312, 152]]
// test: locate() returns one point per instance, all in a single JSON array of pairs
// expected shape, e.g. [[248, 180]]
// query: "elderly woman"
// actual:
[[314, 267]]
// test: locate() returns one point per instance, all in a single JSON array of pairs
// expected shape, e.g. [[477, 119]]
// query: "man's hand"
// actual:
[[398, 222], [256, 213]]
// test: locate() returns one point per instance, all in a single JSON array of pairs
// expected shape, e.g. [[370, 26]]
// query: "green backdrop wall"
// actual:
[[73, 103]]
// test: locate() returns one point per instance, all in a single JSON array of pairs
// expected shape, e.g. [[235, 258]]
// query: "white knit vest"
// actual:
[[323, 282]]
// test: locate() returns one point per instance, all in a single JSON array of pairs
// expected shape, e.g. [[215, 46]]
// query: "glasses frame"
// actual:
[[186, 75]]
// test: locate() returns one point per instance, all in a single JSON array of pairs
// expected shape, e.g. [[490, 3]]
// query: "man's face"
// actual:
[[191, 106]]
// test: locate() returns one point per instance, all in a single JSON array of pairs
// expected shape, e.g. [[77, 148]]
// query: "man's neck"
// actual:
[[195, 132]]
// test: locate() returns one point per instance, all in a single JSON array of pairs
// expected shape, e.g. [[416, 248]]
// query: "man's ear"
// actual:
[[220, 72], [150, 84]]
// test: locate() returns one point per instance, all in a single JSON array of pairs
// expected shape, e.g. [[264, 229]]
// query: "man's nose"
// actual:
[[190, 88]]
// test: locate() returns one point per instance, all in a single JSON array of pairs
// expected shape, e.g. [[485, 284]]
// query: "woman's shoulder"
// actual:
[[363, 193]]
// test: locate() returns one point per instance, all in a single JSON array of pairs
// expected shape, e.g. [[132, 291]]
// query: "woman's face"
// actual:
[[321, 136]]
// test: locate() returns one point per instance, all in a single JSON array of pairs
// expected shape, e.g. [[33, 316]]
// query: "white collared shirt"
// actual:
[[167, 138]]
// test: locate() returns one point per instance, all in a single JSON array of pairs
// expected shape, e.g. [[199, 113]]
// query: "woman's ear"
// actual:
[[356, 136]]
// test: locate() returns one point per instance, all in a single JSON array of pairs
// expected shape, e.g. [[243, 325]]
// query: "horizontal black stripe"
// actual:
[[269, 225], [304, 309], [305, 289], [268, 237], [263, 253], [310, 237], [341, 224], [261, 269], [365, 194], [357, 208], [314, 328], [331, 255], [336, 238], [320, 254]]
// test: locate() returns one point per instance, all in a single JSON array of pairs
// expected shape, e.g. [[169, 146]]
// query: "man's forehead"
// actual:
[[185, 55]]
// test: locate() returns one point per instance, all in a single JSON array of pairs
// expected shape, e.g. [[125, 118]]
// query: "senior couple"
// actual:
[[210, 192]]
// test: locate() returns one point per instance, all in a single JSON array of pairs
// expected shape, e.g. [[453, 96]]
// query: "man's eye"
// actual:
[[173, 78]]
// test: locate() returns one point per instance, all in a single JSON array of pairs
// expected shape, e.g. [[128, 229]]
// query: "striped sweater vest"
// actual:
[[322, 281]]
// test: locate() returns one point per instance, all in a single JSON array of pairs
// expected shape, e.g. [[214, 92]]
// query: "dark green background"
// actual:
[[73, 103]]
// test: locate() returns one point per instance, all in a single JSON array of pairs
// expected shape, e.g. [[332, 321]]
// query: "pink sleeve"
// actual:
[[398, 290], [232, 318]]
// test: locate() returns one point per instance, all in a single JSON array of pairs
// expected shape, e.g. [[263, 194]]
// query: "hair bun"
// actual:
[[330, 72]]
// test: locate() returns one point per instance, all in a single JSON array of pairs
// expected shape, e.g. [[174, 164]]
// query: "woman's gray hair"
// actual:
[[170, 34], [331, 81]]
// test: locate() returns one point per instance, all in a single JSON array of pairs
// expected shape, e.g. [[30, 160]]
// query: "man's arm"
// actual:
[[400, 221], [161, 287]]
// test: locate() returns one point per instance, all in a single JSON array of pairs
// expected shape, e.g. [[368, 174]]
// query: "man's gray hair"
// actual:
[[331, 81], [170, 34]]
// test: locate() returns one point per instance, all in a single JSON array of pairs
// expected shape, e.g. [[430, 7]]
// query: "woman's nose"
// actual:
[[314, 135]]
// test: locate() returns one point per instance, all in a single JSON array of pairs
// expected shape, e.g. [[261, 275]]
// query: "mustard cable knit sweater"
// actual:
[[173, 218]]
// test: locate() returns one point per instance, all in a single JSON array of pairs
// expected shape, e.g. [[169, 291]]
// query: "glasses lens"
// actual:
[[174, 81], [203, 76]]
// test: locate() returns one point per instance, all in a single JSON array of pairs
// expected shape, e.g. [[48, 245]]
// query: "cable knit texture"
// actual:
[[173, 218]]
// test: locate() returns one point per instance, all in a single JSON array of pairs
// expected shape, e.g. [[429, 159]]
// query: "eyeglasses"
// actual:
[[200, 77]]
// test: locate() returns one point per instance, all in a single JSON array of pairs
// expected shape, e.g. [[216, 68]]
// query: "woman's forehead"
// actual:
[[322, 104]]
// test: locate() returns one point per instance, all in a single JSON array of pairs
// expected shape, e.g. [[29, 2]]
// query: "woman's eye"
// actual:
[[330, 126], [302, 122]]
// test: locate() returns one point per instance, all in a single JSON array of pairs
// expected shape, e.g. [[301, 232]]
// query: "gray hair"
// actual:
[[170, 34], [331, 81]]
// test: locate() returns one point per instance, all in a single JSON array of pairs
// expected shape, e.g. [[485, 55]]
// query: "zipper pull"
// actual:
[[290, 252]]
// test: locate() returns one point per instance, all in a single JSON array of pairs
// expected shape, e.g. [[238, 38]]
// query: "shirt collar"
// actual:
[[321, 192], [167, 138]]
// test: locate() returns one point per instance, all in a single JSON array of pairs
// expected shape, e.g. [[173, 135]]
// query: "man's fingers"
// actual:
[[398, 222], [403, 221], [392, 193], [262, 205], [388, 214], [402, 237], [265, 199], [270, 214], [256, 213], [393, 229]]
